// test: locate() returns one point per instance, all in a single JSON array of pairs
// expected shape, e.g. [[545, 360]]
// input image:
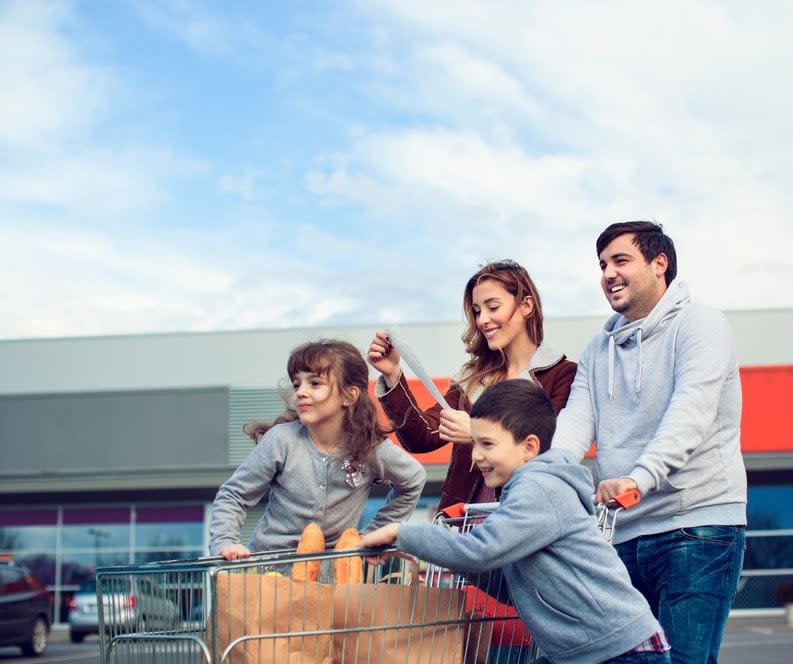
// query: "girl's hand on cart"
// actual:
[[455, 426], [235, 552], [383, 536], [609, 489]]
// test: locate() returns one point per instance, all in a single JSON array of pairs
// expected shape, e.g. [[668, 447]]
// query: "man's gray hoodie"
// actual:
[[568, 584], [662, 397]]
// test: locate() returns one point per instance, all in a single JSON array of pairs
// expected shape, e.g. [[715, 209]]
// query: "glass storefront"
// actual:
[[769, 547], [64, 545]]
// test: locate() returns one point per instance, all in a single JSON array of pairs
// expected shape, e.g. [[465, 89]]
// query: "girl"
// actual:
[[318, 460], [504, 339]]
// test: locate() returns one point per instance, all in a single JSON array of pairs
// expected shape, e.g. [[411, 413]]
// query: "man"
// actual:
[[659, 392]]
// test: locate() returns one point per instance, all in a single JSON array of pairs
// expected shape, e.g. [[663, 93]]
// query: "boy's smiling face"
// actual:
[[496, 452]]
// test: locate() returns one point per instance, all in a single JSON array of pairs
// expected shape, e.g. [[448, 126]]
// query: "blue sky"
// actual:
[[180, 165]]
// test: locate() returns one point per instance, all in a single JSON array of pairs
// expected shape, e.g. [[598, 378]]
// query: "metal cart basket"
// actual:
[[215, 611]]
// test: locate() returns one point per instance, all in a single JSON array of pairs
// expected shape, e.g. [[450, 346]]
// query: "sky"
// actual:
[[190, 165]]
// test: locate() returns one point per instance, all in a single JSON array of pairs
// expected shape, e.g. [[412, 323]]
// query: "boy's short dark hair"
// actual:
[[649, 237], [521, 407]]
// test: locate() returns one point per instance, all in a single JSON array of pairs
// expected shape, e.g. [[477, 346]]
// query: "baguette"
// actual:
[[349, 570], [311, 541]]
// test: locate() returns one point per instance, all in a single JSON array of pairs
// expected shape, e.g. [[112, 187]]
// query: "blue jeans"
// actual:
[[689, 577]]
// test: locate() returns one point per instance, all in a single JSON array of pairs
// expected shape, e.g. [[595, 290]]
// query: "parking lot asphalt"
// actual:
[[766, 639]]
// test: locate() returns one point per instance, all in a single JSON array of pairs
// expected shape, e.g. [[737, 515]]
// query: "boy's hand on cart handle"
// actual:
[[383, 536], [235, 552], [610, 489]]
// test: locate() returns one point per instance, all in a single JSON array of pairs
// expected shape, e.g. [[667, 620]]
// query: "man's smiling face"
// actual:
[[632, 285]]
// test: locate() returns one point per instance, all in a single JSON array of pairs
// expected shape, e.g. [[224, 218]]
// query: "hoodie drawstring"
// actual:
[[611, 366], [638, 383]]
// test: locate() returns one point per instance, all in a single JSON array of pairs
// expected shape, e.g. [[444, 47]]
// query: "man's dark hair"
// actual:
[[649, 237], [521, 407]]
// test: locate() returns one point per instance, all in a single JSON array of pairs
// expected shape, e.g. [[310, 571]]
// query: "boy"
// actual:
[[569, 586]]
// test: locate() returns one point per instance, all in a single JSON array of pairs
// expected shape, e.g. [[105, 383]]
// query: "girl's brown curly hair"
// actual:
[[342, 364]]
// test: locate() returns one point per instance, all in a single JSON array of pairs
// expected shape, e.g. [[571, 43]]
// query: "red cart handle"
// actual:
[[626, 499]]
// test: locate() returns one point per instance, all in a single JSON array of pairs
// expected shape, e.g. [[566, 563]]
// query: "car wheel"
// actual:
[[76, 637], [39, 638]]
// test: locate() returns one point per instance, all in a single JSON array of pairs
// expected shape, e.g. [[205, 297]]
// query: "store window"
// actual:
[[168, 533], [63, 545], [28, 529], [769, 547]]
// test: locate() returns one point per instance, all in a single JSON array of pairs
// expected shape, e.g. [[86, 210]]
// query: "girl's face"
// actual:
[[498, 316], [318, 400]]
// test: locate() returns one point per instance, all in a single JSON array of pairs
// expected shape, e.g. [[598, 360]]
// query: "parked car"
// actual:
[[25, 609], [134, 604]]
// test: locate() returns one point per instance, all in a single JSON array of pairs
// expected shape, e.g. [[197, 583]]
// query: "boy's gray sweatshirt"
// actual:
[[662, 398], [568, 584]]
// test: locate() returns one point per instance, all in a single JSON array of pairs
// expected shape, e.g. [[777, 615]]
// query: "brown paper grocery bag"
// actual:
[[264, 605], [376, 610]]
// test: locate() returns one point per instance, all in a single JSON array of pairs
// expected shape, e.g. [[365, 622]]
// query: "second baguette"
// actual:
[[349, 570]]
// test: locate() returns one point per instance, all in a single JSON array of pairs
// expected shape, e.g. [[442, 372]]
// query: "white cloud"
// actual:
[[46, 95], [609, 111], [248, 185], [395, 148]]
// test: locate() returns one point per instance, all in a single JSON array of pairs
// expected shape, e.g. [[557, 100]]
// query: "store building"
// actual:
[[113, 447]]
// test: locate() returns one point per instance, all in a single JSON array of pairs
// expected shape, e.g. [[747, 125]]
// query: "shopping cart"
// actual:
[[217, 611], [496, 635]]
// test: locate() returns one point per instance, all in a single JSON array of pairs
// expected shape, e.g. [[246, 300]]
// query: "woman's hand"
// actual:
[[455, 426], [383, 356], [235, 552]]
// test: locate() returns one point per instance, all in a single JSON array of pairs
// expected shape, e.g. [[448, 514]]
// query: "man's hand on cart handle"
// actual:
[[609, 490]]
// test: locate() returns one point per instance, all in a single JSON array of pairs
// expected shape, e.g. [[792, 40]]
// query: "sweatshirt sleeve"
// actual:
[[416, 429], [575, 424], [244, 489], [500, 539], [704, 360], [406, 476]]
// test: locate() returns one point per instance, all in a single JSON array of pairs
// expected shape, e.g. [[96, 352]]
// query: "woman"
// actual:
[[504, 338]]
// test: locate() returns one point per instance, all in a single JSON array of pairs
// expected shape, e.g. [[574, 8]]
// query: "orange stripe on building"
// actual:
[[767, 420]]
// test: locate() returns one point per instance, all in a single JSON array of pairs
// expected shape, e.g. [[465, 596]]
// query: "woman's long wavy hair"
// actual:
[[485, 366], [343, 365]]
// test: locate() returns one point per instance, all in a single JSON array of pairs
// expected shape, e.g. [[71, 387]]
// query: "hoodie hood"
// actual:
[[629, 334], [560, 463], [544, 357]]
